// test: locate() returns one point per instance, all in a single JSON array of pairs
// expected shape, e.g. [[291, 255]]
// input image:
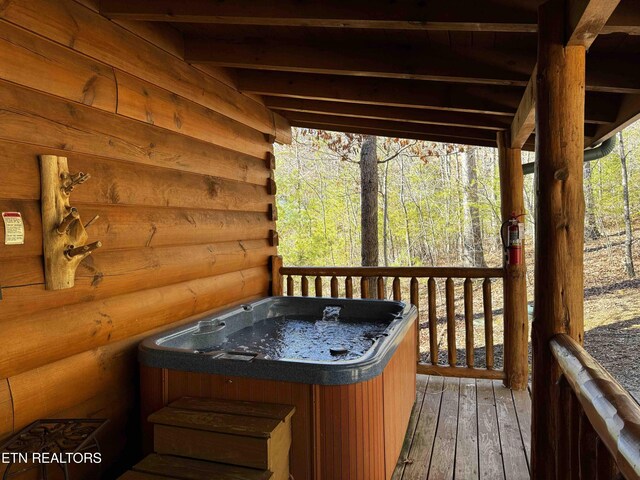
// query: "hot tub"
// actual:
[[347, 365]]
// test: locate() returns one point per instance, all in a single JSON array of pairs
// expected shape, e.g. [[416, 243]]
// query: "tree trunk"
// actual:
[[369, 205], [591, 230], [403, 202], [628, 242], [472, 236], [385, 216]]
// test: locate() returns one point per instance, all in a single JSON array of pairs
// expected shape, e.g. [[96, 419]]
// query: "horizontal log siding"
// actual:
[[180, 164]]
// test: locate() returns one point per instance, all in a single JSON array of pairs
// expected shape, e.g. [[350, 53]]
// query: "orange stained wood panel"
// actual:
[[399, 384], [180, 384]]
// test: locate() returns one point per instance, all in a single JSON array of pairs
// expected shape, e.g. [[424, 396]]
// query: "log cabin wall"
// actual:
[[179, 162]]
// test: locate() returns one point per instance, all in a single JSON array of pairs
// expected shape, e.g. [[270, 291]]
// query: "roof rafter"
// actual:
[[385, 133], [490, 66], [381, 112], [391, 127], [497, 66], [454, 15], [418, 94]]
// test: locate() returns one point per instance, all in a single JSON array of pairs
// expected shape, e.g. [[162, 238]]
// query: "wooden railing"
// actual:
[[372, 282], [598, 422]]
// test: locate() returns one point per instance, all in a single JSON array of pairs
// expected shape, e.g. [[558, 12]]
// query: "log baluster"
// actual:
[[364, 287], [606, 466], [468, 322], [415, 300], [290, 288], [567, 461], [381, 289], [488, 322], [433, 321], [318, 286], [304, 286], [397, 294], [334, 287], [451, 322], [588, 440], [348, 287]]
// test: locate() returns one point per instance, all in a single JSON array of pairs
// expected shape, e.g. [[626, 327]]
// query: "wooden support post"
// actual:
[[276, 276], [516, 319], [559, 283]]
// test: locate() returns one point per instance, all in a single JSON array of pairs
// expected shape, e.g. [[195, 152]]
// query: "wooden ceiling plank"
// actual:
[[416, 94], [462, 15], [453, 15], [381, 112], [389, 126], [495, 66], [486, 99], [386, 133]]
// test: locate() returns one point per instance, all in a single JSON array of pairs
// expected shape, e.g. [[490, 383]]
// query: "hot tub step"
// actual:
[[158, 467], [245, 434]]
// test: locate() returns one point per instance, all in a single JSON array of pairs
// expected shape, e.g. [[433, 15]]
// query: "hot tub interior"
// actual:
[[307, 329]]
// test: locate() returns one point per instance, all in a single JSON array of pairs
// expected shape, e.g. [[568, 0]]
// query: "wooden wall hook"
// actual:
[[64, 236]]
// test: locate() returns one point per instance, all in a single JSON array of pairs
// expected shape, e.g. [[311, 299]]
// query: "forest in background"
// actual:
[[439, 205], [423, 198]]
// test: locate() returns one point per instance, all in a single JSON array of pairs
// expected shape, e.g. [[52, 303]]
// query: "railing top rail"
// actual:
[[612, 411], [436, 272]]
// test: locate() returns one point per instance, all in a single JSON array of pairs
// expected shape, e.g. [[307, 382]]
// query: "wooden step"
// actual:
[[188, 469], [245, 434], [236, 407]]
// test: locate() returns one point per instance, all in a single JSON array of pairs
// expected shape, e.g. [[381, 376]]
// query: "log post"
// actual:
[[559, 283], [276, 276], [516, 319]]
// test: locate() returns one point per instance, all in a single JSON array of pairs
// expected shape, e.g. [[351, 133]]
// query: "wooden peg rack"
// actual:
[[64, 236]]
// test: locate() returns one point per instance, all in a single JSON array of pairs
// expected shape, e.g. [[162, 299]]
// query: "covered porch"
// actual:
[[173, 107]]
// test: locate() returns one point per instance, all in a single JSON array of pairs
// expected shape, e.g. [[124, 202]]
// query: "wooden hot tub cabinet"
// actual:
[[352, 431]]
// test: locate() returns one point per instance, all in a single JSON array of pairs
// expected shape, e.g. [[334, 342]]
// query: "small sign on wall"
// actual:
[[13, 228]]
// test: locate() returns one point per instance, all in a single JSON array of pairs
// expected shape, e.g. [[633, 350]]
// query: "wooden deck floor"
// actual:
[[466, 429]]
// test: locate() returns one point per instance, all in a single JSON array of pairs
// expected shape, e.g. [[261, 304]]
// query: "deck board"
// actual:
[[466, 429], [419, 458], [467, 441], [444, 447]]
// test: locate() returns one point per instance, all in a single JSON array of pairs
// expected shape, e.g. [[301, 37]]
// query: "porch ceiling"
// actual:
[[454, 71]]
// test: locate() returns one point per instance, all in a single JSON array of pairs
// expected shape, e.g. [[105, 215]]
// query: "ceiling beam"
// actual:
[[468, 15], [381, 112], [524, 122], [392, 128], [483, 99], [467, 65], [454, 15], [586, 18]]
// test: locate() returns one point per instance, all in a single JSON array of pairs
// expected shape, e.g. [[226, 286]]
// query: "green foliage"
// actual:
[[319, 199]]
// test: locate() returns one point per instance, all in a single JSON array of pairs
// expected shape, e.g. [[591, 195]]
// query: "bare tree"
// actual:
[[628, 257], [591, 230], [472, 236], [369, 200]]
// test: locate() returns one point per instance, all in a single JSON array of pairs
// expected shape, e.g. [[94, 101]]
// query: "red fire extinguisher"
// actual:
[[512, 241]]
